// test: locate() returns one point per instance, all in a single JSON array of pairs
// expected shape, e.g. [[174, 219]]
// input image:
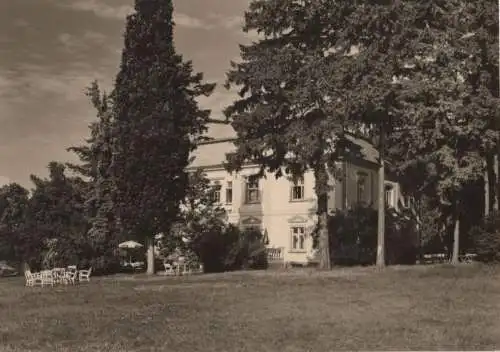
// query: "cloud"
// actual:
[[120, 12], [69, 42], [183, 20], [234, 23], [9, 92], [33, 82], [228, 22], [95, 37], [101, 9], [84, 43]]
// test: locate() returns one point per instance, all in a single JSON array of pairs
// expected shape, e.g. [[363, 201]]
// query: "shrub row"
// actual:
[[230, 249], [353, 237]]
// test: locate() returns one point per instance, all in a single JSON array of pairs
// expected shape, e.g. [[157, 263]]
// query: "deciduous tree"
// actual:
[[55, 216], [14, 200], [95, 161]]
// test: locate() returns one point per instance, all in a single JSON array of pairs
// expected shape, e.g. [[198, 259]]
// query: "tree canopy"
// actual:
[[427, 71], [14, 204]]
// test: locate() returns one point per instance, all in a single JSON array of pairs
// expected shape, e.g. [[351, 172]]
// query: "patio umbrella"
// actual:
[[130, 245]]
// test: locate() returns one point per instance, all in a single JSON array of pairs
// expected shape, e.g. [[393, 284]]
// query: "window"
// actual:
[[388, 195], [298, 238], [252, 190], [407, 201], [297, 190], [229, 192], [361, 188], [216, 193]]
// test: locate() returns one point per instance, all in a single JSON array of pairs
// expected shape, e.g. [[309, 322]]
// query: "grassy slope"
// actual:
[[353, 309]]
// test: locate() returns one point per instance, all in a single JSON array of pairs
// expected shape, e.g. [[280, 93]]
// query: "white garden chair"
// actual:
[[181, 266], [58, 274], [169, 269], [47, 277], [32, 279], [84, 275], [70, 277]]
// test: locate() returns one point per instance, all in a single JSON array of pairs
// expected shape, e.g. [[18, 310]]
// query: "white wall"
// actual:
[[278, 214]]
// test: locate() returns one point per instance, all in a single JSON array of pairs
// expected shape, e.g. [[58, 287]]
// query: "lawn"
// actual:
[[424, 308]]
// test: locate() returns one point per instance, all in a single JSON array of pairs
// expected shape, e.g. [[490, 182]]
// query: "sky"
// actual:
[[51, 50]]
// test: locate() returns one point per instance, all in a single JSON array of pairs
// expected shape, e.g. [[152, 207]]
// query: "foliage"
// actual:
[[324, 66], [198, 209], [103, 232], [248, 252], [55, 221], [353, 237], [198, 214], [426, 71], [449, 106], [157, 122], [201, 220], [230, 249], [286, 119], [14, 203], [202, 230], [486, 239], [95, 158], [213, 246]]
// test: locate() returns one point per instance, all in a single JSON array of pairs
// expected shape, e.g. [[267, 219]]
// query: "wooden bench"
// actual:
[[434, 258], [439, 258]]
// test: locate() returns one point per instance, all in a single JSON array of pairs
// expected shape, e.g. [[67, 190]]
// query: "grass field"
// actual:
[[424, 308]]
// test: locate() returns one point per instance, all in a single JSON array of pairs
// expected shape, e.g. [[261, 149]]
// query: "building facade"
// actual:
[[284, 209]]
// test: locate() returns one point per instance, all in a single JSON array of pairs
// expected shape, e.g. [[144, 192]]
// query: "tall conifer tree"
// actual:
[[158, 123]]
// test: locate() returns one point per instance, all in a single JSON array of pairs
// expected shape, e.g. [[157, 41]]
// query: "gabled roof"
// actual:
[[213, 153], [366, 151]]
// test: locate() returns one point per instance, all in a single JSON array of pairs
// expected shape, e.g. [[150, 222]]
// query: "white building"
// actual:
[[284, 210]]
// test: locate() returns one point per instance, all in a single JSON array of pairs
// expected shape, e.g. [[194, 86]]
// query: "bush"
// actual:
[[486, 239], [230, 249], [353, 237], [247, 252], [402, 241], [101, 265]]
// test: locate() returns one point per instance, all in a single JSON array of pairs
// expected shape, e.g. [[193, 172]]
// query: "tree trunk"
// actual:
[[496, 184], [381, 204], [324, 243], [150, 245], [321, 176], [456, 239], [418, 217], [486, 188]]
